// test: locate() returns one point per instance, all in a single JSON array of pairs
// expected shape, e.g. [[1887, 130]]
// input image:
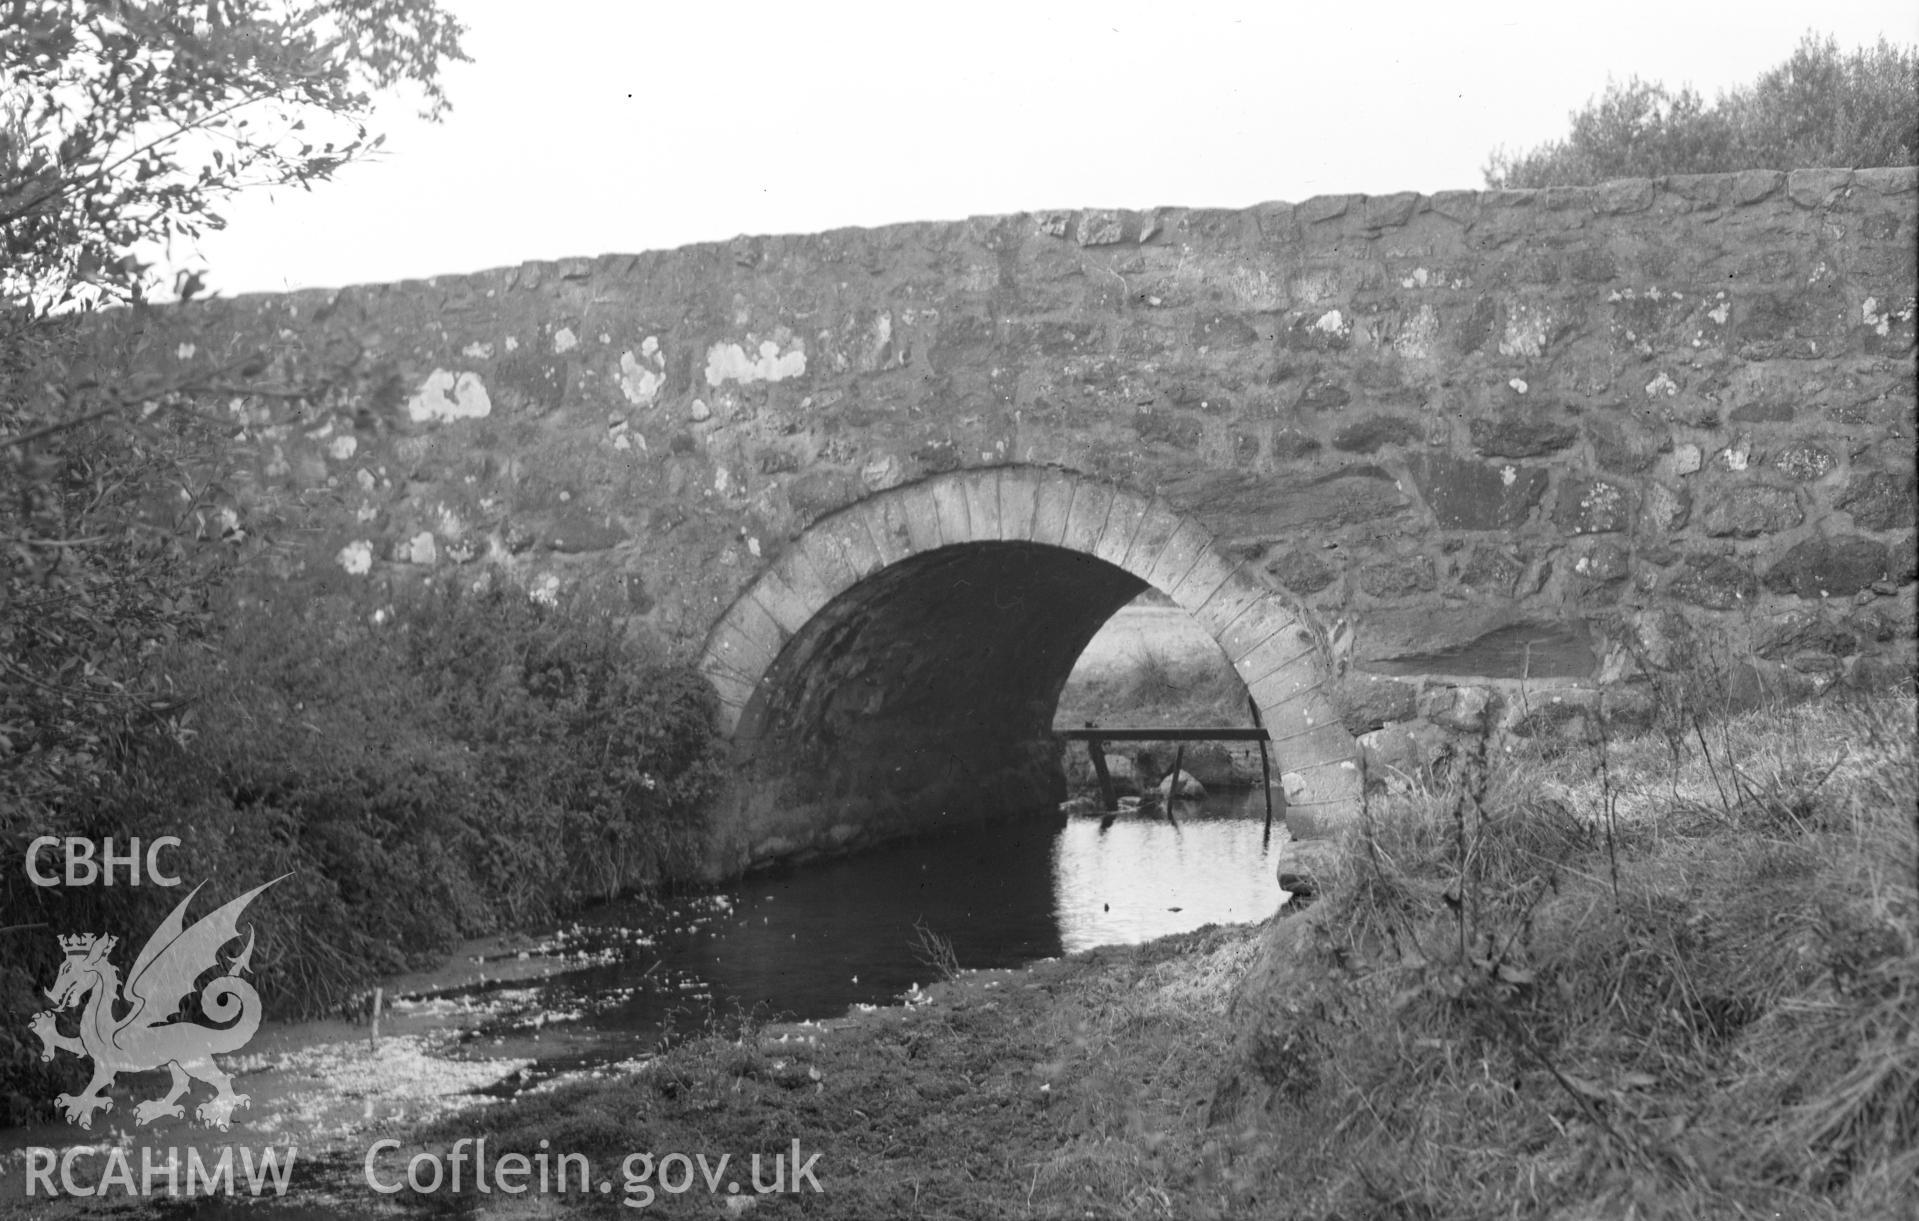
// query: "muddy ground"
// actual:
[[990, 1094]]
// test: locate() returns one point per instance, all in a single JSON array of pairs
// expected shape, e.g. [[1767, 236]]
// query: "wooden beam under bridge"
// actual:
[[1095, 738]]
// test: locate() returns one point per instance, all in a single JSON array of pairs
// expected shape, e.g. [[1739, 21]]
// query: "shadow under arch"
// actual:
[[897, 667]]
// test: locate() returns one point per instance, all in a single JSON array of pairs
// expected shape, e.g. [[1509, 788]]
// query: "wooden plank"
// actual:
[[1230, 734], [1107, 799]]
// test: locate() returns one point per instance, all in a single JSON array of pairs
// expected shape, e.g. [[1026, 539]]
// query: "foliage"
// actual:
[[1156, 688], [1589, 979], [123, 125], [1731, 1030], [1821, 107], [471, 762]]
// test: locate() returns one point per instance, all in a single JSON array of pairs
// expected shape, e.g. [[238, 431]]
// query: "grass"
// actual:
[[1157, 690], [1550, 988]]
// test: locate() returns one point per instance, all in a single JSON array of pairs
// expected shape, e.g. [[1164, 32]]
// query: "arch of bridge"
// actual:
[[973, 593]]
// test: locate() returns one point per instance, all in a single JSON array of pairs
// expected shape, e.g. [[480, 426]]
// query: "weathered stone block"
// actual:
[[1209, 574], [1168, 428], [573, 531], [1279, 684], [842, 550], [1796, 632], [1234, 597], [922, 514], [1321, 796], [1261, 622], [1774, 411], [1176, 556], [1817, 188], [1306, 726], [1282, 666], [1324, 207], [1368, 701], [1398, 577], [1829, 567], [1594, 506], [738, 651], [1716, 582], [1390, 211], [1122, 524], [949, 507], [1517, 435], [1018, 493], [1664, 510], [1752, 186], [1493, 570], [1623, 195], [982, 503], [1751, 509], [1301, 571], [1804, 462], [819, 492], [786, 607], [1290, 445], [1157, 525], [1086, 517], [1880, 500], [1365, 436], [1603, 561], [1460, 709], [1627, 449], [885, 522], [1465, 495], [1052, 502], [1322, 395]]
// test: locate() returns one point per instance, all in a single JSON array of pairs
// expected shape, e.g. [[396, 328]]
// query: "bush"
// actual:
[[1820, 107], [473, 762], [1659, 995]]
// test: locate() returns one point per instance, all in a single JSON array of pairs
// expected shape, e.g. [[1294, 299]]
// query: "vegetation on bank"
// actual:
[[464, 763], [1820, 107], [1661, 977], [1156, 689], [123, 130]]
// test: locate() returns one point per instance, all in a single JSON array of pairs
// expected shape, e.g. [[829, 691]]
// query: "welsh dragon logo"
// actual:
[[145, 1036]]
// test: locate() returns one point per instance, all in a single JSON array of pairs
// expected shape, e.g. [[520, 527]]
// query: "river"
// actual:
[[794, 944]]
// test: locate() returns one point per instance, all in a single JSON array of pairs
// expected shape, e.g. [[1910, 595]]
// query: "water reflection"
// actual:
[[1147, 875], [812, 941]]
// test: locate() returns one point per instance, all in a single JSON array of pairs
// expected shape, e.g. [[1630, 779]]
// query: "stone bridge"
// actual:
[[1391, 451], [902, 659]]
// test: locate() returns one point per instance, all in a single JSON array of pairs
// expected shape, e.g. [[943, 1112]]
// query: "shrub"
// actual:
[[472, 762]]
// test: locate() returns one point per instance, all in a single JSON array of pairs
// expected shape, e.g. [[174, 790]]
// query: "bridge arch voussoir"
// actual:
[[1272, 642]]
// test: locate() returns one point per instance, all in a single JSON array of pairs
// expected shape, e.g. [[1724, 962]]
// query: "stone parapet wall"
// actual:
[[1549, 434]]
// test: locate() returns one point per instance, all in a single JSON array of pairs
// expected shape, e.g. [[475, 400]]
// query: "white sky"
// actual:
[[594, 126]]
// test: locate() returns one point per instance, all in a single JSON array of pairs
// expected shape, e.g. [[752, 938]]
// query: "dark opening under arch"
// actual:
[[897, 667]]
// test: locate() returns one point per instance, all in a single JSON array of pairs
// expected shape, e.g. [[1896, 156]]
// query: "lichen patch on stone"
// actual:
[[449, 396]]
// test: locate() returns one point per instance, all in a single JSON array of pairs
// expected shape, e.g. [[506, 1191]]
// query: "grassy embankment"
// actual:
[[456, 765], [1156, 689], [1163, 678], [1676, 976]]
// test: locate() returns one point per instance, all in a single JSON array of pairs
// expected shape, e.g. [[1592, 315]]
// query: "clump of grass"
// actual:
[[935, 951], [1156, 689], [1520, 995], [1477, 1017]]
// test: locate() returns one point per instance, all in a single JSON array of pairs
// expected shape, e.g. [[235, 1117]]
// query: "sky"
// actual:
[[588, 127]]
